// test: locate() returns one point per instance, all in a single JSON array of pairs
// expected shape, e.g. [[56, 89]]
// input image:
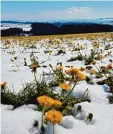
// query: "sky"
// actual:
[[55, 10]]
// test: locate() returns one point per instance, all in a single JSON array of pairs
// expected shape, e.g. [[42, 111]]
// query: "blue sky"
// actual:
[[55, 10]]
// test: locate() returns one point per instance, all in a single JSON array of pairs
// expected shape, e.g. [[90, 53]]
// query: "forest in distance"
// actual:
[[54, 29]]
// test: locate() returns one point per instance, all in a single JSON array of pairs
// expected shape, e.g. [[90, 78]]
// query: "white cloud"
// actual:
[[68, 14]]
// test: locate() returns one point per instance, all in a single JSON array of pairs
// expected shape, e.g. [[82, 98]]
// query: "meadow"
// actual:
[[57, 84]]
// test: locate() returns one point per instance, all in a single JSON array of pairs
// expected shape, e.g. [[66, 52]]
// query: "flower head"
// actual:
[[92, 71], [80, 76], [59, 68], [99, 57], [33, 67], [109, 66], [53, 116], [57, 103], [65, 86], [89, 117], [72, 71], [45, 100], [3, 84]]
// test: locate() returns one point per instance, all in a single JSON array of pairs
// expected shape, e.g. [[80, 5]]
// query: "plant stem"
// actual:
[[42, 123], [63, 92], [76, 114], [85, 93], [69, 93], [53, 129], [35, 77]]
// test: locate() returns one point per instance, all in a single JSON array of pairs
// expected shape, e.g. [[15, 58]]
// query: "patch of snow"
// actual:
[[20, 120], [25, 27]]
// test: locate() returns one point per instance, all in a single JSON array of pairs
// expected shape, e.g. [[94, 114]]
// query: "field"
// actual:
[[57, 84]]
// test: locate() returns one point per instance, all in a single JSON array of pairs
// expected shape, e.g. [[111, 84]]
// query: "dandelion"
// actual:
[[15, 58], [103, 68], [109, 66], [59, 68], [57, 103], [53, 116], [80, 76], [3, 85], [89, 117], [45, 100], [99, 57], [79, 108], [92, 71], [72, 71], [65, 86], [33, 67]]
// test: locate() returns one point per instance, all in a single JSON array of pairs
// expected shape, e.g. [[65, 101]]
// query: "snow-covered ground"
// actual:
[[20, 120]]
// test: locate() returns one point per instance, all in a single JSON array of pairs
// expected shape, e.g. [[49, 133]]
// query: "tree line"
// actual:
[[52, 29]]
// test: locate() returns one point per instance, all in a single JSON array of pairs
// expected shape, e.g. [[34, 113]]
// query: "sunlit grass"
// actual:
[[81, 36]]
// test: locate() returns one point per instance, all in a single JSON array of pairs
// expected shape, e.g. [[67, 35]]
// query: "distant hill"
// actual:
[[60, 22], [62, 27], [16, 22]]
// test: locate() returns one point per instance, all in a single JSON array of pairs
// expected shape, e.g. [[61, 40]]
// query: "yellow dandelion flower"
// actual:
[[65, 86], [72, 71], [33, 66], [59, 68], [53, 116], [80, 76], [57, 103], [99, 57], [92, 71], [45, 100]]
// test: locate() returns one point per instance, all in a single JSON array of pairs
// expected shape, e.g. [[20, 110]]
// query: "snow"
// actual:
[[25, 27], [96, 92], [20, 120]]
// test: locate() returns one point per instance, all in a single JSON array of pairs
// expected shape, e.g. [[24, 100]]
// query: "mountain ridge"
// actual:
[[97, 21]]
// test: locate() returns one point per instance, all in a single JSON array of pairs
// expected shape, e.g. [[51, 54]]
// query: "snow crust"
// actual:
[[20, 120]]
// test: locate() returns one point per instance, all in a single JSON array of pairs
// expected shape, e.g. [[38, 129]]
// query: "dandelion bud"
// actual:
[[79, 108], [33, 67], [3, 85], [90, 117]]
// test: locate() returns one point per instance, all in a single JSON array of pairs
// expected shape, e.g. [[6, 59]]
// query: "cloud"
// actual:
[[67, 14]]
